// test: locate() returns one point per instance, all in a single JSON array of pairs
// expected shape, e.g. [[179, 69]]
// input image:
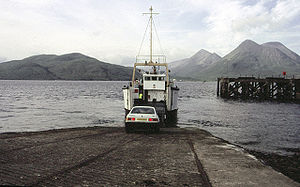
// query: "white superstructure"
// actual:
[[154, 88]]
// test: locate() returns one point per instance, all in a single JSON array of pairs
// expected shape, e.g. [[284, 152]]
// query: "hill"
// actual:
[[74, 66], [190, 67], [252, 59]]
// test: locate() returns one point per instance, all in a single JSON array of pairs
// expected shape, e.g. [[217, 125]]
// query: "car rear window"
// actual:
[[142, 111]]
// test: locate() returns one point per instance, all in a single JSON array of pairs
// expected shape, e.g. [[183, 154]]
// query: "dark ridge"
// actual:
[[73, 66]]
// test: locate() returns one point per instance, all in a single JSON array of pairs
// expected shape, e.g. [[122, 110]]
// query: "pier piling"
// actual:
[[280, 89]]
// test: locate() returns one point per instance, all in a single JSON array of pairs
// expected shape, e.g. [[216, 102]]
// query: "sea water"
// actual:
[[44, 105]]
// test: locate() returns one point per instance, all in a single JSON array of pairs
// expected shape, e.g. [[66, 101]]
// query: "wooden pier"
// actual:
[[270, 88]]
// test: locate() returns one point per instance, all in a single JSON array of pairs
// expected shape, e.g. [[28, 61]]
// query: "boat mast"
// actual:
[[151, 22], [151, 63]]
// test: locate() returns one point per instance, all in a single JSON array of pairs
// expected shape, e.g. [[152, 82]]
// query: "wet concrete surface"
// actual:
[[289, 165], [99, 156]]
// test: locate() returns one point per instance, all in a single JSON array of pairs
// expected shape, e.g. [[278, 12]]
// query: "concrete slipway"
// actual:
[[98, 156]]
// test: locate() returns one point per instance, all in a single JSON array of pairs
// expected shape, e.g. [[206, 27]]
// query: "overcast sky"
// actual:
[[112, 30]]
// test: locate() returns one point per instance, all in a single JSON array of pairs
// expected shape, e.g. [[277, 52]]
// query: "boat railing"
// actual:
[[148, 63], [155, 59]]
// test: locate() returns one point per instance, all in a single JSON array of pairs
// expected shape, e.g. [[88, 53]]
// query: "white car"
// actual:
[[142, 117]]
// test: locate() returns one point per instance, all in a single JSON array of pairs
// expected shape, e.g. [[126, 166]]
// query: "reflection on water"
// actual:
[[43, 105]]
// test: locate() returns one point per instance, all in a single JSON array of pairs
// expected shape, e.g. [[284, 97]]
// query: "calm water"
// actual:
[[43, 105]]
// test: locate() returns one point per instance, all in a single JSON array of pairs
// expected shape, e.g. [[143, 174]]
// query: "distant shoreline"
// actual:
[[177, 81], [60, 80]]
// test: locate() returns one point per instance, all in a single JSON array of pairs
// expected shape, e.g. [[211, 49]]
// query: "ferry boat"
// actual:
[[152, 87]]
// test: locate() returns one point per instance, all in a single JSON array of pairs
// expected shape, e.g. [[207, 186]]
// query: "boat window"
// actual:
[[154, 78], [160, 78], [142, 111], [147, 78]]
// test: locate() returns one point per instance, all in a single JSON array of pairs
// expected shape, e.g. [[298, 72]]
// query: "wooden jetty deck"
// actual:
[[100, 156], [279, 89]]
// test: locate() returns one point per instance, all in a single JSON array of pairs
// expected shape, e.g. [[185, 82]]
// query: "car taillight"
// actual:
[[152, 119], [131, 119]]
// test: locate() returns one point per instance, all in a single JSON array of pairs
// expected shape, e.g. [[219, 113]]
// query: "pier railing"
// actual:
[[261, 89]]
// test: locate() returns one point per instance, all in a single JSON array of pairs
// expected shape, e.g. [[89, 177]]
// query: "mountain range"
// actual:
[[248, 59], [74, 66], [189, 67]]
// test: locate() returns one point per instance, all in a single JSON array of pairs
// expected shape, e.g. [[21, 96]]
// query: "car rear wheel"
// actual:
[[128, 129], [156, 129]]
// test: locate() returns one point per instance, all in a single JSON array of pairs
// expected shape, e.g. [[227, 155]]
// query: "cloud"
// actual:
[[2, 59], [64, 26], [112, 30], [229, 23]]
